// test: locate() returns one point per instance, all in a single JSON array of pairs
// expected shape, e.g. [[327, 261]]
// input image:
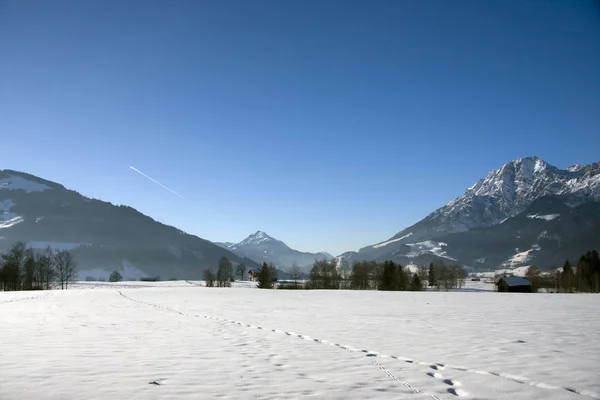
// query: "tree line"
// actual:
[[224, 275], [583, 277], [22, 268], [385, 276]]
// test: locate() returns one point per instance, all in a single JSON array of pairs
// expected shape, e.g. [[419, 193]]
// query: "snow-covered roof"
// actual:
[[516, 281]]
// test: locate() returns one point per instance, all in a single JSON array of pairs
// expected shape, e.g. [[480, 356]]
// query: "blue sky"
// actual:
[[330, 125]]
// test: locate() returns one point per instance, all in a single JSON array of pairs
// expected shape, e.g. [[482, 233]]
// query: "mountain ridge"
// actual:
[[102, 236], [261, 247]]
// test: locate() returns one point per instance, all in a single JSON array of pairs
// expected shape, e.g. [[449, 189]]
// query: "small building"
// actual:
[[253, 273], [514, 284]]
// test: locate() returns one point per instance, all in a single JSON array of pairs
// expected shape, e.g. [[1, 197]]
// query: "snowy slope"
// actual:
[[195, 342]]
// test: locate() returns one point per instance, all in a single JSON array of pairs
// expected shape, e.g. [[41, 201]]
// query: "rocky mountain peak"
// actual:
[[259, 237], [505, 192]]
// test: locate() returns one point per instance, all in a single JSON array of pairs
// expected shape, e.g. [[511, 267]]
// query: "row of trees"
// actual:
[[224, 276], [387, 275], [584, 277], [446, 276], [22, 268]]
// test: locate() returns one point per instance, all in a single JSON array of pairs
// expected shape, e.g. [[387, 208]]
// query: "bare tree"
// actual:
[[45, 267], [224, 272], [209, 278], [241, 270], [29, 268], [65, 268], [13, 266], [295, 272], [345, 272]]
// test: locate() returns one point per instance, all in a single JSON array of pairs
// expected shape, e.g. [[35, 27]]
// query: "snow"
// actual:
[[540, 165], [7, 218], [521, 257], [547, 217], [391, 241], [5, 205], [254, 239], [413, 268], [14, 182], [428, 246], [518, 271], [11, 221], [196, 342], [575, 168]]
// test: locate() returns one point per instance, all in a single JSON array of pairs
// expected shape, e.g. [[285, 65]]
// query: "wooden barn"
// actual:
[[514, 284]]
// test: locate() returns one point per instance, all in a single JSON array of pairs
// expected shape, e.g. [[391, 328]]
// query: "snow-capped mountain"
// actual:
[[102, 237], [503, 194], [261, 247]]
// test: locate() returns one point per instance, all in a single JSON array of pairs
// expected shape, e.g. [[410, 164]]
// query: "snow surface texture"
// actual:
[[521, 257], [14, 182], [7, 218], [428, 246], [171, 341], [547, 217], [392, 241]]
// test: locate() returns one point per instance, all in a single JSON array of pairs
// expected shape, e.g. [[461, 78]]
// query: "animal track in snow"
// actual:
[[374, 356], [24, 298]]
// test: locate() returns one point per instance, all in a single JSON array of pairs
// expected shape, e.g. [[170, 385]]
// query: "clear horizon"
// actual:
[[328, 125]]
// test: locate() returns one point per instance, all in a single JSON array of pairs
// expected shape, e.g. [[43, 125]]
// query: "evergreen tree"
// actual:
[[115, 276], [389, 279], [431, 276], [567, 276], [415, 284], [267, 276], [360, 276], [404, 278]]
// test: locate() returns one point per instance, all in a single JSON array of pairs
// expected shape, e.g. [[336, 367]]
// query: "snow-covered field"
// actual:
[[239, 343]]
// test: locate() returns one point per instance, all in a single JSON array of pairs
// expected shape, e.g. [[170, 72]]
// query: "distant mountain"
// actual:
[[505, 193], [261, 247], [102, 237]]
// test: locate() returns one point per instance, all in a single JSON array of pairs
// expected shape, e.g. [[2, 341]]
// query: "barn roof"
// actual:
[[516, 281], [254, 270]]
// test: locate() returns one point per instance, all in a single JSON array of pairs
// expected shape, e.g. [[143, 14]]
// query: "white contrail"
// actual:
[[157, 182]]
